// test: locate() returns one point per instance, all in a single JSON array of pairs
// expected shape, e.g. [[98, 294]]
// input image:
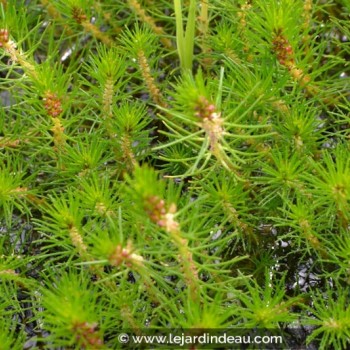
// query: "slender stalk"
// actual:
[[185, 41]]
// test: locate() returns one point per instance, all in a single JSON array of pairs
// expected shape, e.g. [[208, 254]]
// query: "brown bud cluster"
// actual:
[[283, 50], [8, 272], [52, 104], [119, 255], [88, 334], [78, 15], [154, 91], [125, 255], [204, 109], [4, 37], [155, 209]]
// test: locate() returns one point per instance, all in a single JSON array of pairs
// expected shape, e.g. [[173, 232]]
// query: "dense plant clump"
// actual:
[[178, 165]]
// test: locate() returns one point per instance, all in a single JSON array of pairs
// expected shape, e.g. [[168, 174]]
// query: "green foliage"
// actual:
[[173, 165], [70, 311], [332, 317], [266, 305], [13, 190]]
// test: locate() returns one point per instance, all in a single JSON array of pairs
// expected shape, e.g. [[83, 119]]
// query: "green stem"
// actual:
[[185, 42]]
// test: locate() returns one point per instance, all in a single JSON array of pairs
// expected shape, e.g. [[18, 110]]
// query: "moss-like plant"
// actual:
[[174, 165]]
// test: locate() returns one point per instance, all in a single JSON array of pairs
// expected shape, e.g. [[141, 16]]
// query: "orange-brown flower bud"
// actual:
[[155, 209], [4, 37], [52, 104], [204, 109], [283, 50], [78, 15]]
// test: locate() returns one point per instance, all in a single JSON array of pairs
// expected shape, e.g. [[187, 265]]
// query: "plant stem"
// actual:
[[185, 42]]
